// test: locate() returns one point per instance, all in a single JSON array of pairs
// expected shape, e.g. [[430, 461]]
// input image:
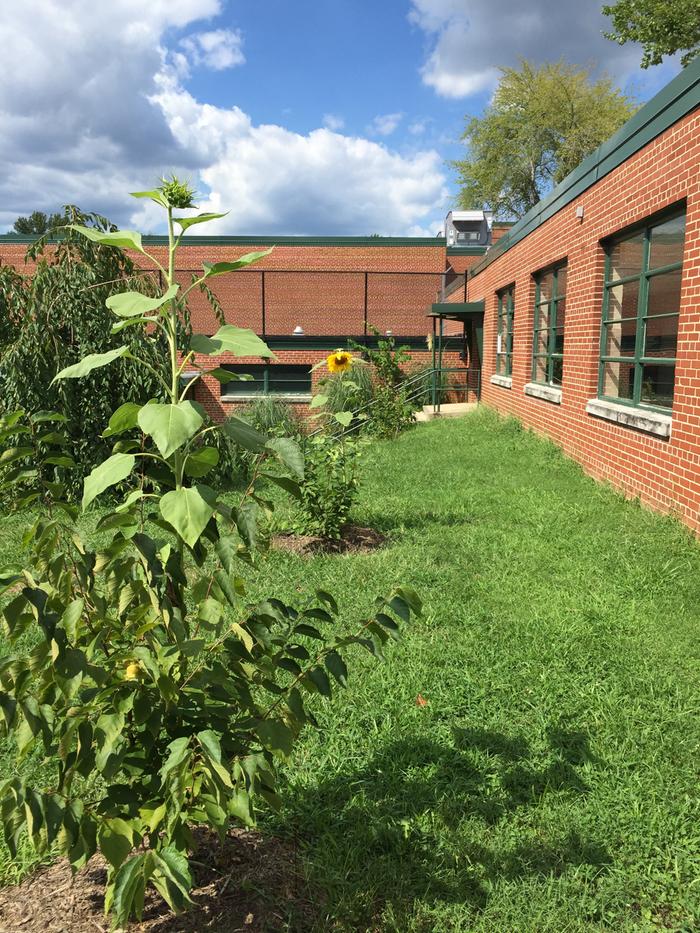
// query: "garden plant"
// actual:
[[161, 698]]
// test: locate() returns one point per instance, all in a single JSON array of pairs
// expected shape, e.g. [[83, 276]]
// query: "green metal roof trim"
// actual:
[[678, 98], [466, 250], [273, 241], [457, 310]]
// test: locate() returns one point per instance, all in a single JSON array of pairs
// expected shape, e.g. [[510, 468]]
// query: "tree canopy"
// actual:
[[541, 123], [37, 223], [662, 27]]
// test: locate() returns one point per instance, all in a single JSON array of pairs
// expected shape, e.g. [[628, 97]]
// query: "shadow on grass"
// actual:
[[417, 824]]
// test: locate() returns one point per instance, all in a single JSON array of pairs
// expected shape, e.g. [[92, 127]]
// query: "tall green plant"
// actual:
[[57, 315], [162, 698]]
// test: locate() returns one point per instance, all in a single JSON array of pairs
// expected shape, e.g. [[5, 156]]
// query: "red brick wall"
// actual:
[[665, 474]]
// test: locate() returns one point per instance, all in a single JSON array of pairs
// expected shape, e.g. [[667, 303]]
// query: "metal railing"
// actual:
[[431, 388]]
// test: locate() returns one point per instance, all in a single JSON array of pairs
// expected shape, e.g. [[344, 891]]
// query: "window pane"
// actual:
[[560, 313], [664, 293], [541, 341], [542, 317], [540, 374], [657, 385], [622, 301], [618, 380], [626, 256], [559, 341], [545, 281], [290, 380], [557, 367], [667, 242], [661, 336], [620, 338], [561, 281]]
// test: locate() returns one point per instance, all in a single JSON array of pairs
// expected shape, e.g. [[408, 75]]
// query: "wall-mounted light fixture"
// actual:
[[298, 331], [579, 212]]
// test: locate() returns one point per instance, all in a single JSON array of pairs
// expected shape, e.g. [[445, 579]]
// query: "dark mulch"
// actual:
[[252, 884], [353, 539]]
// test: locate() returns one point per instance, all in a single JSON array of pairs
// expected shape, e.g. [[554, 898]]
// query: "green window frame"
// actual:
[[504, 333], [548, 332], [641, 305]]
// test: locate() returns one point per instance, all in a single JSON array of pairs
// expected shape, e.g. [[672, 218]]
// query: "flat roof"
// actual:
[[194, 240]]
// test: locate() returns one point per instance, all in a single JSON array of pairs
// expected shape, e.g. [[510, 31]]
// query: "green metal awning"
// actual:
[[457, 311]]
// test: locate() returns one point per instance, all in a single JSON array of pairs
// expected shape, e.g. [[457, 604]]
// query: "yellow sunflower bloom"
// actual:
[[339, 361]]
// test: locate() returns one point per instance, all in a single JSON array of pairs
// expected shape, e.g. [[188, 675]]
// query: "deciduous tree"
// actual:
[[662, 27]]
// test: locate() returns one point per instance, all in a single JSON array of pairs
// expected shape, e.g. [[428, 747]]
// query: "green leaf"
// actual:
[[129, 887], [226, 548], [116, 840], [219, 268], [134, 304], [186, 222], [172, 877], [123, 419], [154, 195], [231, 339], [123, 239], [188, 511], [112, 471], [343, 417], [275, 736], [201, 461], [411, 597], [109, 728], [337, 667], [318, 401], [289, 452], [170, 426], [225, 375], [244, 434], [320, 679], [90, 362]]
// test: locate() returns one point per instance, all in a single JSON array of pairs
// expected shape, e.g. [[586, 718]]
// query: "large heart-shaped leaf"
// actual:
[[244, 434], [201, 461], [124, 239], [219, 268], [230, 339], [186, 222], [112, 471], [90, 362], [170, 426], [188, 510], [134, 304], [123, 419]]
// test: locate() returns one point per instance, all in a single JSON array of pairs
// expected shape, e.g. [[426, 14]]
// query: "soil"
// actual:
[[354, 539], [250, 884]]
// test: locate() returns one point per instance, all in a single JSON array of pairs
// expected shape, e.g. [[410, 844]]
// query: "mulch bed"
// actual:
[[354, 539], [251, 884]]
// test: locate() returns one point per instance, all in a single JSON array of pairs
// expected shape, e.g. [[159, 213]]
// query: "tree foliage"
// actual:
[[161, 696], [38, 223], [661, 27], [55, 316], [541, 123]]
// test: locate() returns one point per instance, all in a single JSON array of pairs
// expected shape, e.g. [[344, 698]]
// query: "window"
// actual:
[[640, 315], [468, 236], [272, 379], [504, 337], [548, 339]]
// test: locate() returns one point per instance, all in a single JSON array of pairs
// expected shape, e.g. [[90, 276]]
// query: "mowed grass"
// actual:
[[550, 780]]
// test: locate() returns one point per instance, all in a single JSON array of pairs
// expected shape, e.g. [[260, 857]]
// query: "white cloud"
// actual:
[[333, 121], [418, 127], [104, 110], [384, 124], [218, 49], [469, 39]]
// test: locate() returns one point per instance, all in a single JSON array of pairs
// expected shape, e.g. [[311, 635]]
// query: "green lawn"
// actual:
[[551, 781]]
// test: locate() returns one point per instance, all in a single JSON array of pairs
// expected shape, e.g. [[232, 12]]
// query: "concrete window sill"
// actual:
[[237, 399], [546, 393], [505, 382], [651, 422]]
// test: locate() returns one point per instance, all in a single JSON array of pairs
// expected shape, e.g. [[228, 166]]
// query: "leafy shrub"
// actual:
[[57, 315], [330, 484], [152, 675], [352, 392], [391, 412], [274, 416]]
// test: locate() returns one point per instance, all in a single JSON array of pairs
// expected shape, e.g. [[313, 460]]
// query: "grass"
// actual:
[[550, 783]]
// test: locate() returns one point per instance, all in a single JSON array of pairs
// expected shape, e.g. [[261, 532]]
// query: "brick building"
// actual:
[[592, 308]]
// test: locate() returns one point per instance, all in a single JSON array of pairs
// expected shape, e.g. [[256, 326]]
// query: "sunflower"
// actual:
[[339, 361]]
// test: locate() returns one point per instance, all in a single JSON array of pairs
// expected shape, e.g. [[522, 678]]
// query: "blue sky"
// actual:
[[333, 117]]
